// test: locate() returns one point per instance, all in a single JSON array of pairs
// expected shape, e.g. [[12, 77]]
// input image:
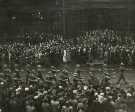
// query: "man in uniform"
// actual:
[[122, 77], [77, 70]]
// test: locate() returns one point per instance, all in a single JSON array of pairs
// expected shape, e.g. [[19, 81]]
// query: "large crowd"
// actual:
[[27, 86], [99, 45], [26, 89]]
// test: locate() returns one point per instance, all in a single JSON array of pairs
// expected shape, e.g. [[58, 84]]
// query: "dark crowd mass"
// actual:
[[48, 49], [27, 85]]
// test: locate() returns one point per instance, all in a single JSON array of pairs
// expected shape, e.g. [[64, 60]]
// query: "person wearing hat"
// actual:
[[27, 77], [17, 74], [65, 76], [80, 107], [121, 76], [105, 81], [92, 79], [45, 106], [54, 70], [65, 57], [29, 106], [8, 77], [40, 76], [77, 70], [55, 105]]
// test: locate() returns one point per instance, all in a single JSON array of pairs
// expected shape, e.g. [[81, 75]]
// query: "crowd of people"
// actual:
[[44, 48], [27, 86], [27, 89]]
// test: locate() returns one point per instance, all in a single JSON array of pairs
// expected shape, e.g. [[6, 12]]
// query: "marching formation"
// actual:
[[35, 90]]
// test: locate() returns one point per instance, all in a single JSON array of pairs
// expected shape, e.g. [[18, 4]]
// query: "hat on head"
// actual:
[[26, 89], [108, 88], [53, 67], [16, 70], [107, 77], [80, 105], [65, 71], [75, 74], [74, 91], [85, 87], [39, 66], [1, 83], [16, 65], [77, 65], [121, 64], [106, 73], [36, 97], [102, 94]]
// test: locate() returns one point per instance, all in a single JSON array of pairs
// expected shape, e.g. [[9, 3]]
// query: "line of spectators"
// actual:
[[102, 45]]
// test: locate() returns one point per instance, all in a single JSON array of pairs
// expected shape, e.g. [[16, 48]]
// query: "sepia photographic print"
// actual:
[[67, 55]]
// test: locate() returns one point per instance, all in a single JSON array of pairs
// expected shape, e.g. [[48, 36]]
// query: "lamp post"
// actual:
[[63, 19], [128, 21], [61, 6]]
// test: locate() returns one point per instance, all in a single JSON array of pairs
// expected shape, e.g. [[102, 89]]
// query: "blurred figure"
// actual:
[[121, 76]]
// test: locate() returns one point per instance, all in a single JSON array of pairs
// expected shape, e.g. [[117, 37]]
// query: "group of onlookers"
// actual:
[[106, 46], [26, 88]]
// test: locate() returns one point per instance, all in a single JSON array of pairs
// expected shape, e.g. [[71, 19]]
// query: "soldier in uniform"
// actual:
[[122, 77], [77, 70]]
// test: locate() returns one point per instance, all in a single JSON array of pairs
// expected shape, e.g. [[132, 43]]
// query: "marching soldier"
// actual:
[[122, 77]]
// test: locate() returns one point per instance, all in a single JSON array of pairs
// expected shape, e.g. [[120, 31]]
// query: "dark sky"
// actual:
[[9, 8], [28, 4]]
